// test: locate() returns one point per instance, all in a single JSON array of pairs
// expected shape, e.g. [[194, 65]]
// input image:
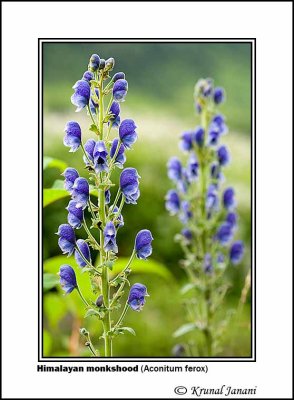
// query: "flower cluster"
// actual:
[[101, 156], [205, 206]]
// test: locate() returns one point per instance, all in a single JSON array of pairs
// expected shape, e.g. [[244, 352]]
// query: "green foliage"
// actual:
[[49, 162]]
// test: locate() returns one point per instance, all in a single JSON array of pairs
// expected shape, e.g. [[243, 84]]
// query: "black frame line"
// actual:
[[252, 42]]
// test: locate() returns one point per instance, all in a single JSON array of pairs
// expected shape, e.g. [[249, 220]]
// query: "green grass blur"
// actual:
[[160, 99]]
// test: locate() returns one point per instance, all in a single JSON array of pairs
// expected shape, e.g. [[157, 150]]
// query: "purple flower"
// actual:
[[174, 169], [88, 76], [192, 168], [236, 252], [215, 171], [109, 237], [223, 155], [136, 299], [68, 279], [120, 89], [186, 143], [143, 246], [211, 199], [75, 215], [67, 239], [207, 266], [118, 221], [129, 185], [72, 136], [218, 95], [183, 183], [199, 136], [84, 249], [219, 121], [115, 118], [228, 198], [220, 258], [102, 64], [172, 202], [89, 149], [94, 101], [120, 158], [117, 76], [100, 157], [204, 87], [187, 234], [231, 219], [186, 212], [94, 62], [70, 175], [81, 96], [213, 134], [127, 133], [80, 192], [224, 233], [107, 196]]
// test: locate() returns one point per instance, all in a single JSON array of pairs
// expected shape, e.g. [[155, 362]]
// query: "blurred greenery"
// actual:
[[160, 99]]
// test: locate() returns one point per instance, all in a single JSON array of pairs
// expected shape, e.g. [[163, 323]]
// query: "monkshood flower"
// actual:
[[100, 157], [225, 233], [115, 118], [75, 215], [219, 121], [81, 96], [223, 155], [68, 280], [120, 158], [192, 168], [143, 246], [186, 142], [72, 136], [102, 64], [199, 136], [109, 64], [213, 134], [174, 169], [215, 171], [211, 203], [89, 149], [119, 220], [183, 183], [231, 219], [117, 76], [107, 196], [129, 185], [236, 252], [109, 237], [84, 249], [204, 87], [70, 175], [94, 62], [120, 89], [94, 101], [136, 299], [127, 132], [207, 266], [218, 95], [67, 239], [229, 198], [80, 192], [187, 234], [172, 202], [186, 212], [88, 76]]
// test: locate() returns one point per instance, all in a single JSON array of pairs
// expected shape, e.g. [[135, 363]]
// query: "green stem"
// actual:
[[128, 264], [82, 297], [91, 115], [84, 258], [109, 105], [116, 199], [120, 320], [90, 234]]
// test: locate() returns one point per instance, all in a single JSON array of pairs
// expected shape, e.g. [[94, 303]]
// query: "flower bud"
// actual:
[[218, 95], [118, 75], [99, 301], [236, 252], [88, 76], [223, 155], [94, 62], [102, 64], [228, 198], [109, 64]]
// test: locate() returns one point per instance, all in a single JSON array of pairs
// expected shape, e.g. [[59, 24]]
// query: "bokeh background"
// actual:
[[161, 80]]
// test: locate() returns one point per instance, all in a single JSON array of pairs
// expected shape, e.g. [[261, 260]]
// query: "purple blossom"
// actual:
[[70, 175], [127, 133], [115, 118], [81, 96], [94, 62], [117, 76], [231, 219], [192, 168], [84, 249], [172, 202], [75, 215], [110, 237], [129, 185], [67, 239], [207, 265], [120, 158], [186, 143], [186, 212], [80, 192], [174, 169], [88, 76], [199, 136], [228, 199], [225, 233], [68, 280], [136, 299], [120, 89], [143, 246], [223, 155], [89, 149], [236, 252], [218, 95], [187, 234], [72, 136], [100, 157]]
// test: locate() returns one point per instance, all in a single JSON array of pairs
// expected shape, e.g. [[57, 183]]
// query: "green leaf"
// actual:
[[143, 267], [49, 162], [52, 195], [94, 128], [128, 329], [186, 328], [47, 343], [49, 281], [58, 184], [90, 312]]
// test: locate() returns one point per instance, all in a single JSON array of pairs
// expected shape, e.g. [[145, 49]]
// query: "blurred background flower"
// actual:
[[161, 78]]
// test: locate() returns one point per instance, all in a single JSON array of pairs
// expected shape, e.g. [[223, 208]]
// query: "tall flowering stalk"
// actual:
[[207, 210], [101, 95]]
